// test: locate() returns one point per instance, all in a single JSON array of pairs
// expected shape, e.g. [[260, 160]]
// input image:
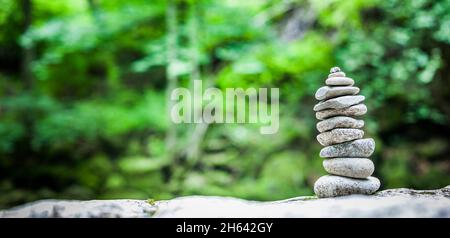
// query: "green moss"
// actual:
[[151, 201]]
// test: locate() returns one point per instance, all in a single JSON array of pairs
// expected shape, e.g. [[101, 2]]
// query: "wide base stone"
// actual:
[[333, 186]]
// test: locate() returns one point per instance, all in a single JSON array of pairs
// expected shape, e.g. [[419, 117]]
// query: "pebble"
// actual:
[[339, 81], [332, 186], [355, 110], [349, 167], [339, 122], [326, 92], [357, 148], [339, 135], [337, 74], [339, 102]]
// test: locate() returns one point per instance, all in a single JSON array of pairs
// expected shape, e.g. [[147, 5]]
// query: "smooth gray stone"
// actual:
[[339, 122], [357, 148], [333, 186], [355, 110], [339, 102], [349, 167], [326, 92], [335, 69], [339, 135], [339, 81], [337, 74]]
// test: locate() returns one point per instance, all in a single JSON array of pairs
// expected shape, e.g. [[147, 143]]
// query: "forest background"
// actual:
[[84, 84]]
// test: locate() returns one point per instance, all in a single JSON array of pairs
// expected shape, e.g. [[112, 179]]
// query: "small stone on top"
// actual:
[[335, 70]]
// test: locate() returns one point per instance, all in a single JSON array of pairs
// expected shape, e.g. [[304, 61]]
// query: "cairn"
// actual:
[[345, 151]]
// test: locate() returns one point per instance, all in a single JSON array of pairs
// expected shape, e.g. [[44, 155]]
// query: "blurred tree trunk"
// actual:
[[93, 7], [112, 70], [27, 52], [196, 132], [196, 136], [193, 43], [171, 24]]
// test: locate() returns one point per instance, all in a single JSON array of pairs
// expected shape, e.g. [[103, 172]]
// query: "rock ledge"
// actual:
[[388, 203]]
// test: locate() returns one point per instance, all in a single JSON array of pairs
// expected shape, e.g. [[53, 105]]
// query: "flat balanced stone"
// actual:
[[339, 122], [355, 110], [339, 81], [339, 135], [337, 74], [354, 149], [349, 167], [326, 92], [333, 186], [339, 102]]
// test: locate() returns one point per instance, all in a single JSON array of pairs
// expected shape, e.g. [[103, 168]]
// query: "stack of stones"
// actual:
[[346, 153]]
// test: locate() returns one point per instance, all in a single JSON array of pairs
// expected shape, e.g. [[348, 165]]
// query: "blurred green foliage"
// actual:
[[89, 121]]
